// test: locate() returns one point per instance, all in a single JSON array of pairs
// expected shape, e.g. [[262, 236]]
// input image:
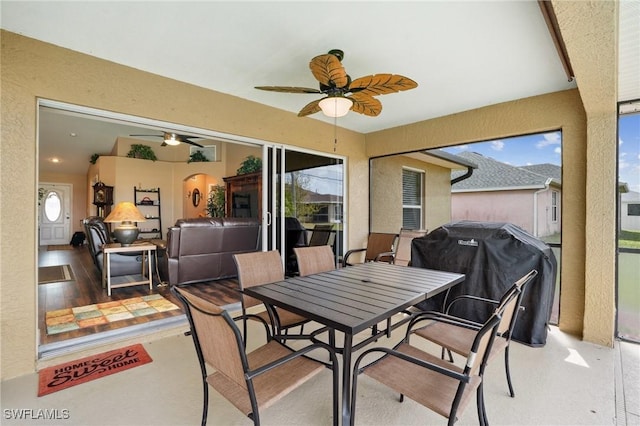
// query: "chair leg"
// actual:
[[482, 412], [506, 366], [205, 407]]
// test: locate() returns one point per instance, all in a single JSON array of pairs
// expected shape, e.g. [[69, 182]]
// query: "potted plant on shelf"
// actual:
[[197, 157], [215, 201], [251, 164], [143, 152]]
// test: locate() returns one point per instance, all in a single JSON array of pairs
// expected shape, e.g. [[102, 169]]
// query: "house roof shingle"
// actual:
[[495, 175]]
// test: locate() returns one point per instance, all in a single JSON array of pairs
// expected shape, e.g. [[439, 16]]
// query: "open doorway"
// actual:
[[92, 146]]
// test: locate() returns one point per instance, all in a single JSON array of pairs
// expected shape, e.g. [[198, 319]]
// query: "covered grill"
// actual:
[[493, 256]]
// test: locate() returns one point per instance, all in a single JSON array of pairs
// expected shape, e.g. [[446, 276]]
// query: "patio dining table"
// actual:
[[354, 299]]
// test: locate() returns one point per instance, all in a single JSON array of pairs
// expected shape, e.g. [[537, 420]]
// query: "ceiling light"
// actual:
[[335, 106], [171, 139], [55, 160]]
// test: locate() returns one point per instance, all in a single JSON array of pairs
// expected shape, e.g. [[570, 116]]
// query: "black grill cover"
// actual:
[[493, 256]]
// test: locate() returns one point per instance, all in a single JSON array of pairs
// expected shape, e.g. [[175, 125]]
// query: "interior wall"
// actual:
[[31, 69]]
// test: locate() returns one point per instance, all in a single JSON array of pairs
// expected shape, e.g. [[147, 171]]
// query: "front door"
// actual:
[[55, 213]]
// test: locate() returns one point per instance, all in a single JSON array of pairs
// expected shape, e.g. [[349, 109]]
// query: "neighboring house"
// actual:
[[527, 196], [630, 211], [328, 208]]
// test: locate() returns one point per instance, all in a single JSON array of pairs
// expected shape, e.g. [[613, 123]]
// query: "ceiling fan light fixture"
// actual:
[[335, 106], [171, 139]]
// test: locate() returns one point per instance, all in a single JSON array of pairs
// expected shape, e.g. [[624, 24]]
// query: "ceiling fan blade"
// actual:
[[288, 89], [190, 142], [310, 108], [157, 136], [365, 104], [382, 84], [328, 70]]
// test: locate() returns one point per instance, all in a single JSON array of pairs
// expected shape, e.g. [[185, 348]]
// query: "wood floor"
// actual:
[[87, 289]]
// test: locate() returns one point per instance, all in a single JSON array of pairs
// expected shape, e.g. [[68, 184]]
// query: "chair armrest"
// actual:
[[390, 254], [296, 354], [443, 318], [425, 364], [348, 253]]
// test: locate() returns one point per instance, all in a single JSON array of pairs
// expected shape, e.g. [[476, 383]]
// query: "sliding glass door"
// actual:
[[303, 201]]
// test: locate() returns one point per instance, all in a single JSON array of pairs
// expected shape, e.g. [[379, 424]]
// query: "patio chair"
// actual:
[[321, 235], [314, 260], [402, 254], [250, 381], [258, 268], [429, 380], [459, 340], [376, 243]]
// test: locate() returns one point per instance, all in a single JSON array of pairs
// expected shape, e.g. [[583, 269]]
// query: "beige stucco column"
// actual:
[[589, 30]]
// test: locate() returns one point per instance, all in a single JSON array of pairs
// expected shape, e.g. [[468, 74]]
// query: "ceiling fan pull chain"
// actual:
[[335, 133]]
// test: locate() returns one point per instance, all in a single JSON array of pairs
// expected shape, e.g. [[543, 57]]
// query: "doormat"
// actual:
[[69, 319], [63, 376], [60, 247], [54, 274]]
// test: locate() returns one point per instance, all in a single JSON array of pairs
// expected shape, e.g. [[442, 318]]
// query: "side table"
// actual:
[[146, 250]]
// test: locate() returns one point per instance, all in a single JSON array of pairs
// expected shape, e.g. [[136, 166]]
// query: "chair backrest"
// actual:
[[216, 337], [97, 235], [480, 349], [510, 315], [321, 235], [258, 268], [377, 243], [403, 247], [313, 260]]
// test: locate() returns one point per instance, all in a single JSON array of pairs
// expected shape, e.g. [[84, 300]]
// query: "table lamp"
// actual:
[[126, 213]]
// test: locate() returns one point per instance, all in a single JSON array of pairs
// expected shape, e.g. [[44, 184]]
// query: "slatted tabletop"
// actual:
[[355, 298]]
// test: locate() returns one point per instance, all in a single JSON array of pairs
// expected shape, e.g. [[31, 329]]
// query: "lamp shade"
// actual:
[[126, 213], [335, 106]]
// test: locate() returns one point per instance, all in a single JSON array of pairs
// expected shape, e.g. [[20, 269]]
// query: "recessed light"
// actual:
[[55, 160], [73, 134]]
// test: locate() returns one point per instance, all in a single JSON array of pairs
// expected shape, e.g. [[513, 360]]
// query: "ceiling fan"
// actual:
[[173, 139], [343, 94]]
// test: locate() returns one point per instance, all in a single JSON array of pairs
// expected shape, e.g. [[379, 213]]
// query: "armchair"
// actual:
[[376, 243], [98, 235]]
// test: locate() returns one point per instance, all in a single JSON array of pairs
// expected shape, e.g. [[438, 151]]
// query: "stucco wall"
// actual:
[[32, 69], [386, 193]]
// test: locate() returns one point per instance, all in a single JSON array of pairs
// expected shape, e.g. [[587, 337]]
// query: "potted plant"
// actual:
[[215, 201], [94, 158], [197, 157], [251, 164], [143, 152]]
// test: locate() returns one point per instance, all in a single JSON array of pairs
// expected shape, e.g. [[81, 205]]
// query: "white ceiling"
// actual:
[[463, 55]]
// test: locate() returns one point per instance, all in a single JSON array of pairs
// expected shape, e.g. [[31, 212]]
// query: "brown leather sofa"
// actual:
[[202, 249]]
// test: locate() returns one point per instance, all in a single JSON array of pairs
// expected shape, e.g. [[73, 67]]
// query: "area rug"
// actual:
[[60, 247], [54, 274], [63, 376], [69, 319]]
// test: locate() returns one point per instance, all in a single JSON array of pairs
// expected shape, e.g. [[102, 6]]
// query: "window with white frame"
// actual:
[[412, 183], [554, 206]]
